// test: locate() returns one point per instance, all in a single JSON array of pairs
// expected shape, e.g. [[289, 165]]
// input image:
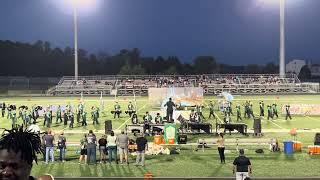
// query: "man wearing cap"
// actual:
[[242, 166]]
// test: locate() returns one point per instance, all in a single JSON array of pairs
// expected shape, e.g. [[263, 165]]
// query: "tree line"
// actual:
[[40, 59]]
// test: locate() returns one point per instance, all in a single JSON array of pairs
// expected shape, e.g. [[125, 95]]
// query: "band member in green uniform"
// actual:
[[28, 116], [20, 113], [48, 118], [94, 114], [84, 118], [246, 110], [79, 111], [9, 113], [158, 119], [230, 107], [23, 116], [71, 118], [147, 118], [238, 113], [211, 110], [275, 110], [13, 118], [117, 110], [251, 110], [65, 117], [3, 109], [131, 108], [270, 114], [261, 105], [58, 115]]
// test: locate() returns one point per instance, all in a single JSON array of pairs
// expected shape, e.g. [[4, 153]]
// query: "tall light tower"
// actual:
[[75, 23], [282, 71], [75, 7]]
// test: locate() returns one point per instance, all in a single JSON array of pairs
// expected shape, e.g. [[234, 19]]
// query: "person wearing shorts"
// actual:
[[83, 150], [122, 143], [102, 148]]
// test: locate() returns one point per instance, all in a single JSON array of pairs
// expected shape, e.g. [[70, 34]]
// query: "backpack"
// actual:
[[61, 142]]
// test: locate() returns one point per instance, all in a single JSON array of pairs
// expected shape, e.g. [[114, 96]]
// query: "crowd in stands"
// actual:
[[142, 83]]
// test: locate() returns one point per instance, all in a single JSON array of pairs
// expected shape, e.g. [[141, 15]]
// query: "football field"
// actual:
[[189, 162]]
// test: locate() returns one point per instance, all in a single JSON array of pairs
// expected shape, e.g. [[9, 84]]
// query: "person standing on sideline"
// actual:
[[102, 148], [112, 147], [62, 146], [142, 146], [242, 166], [49, 142], [221, 148], [83, 149], [170, 106], [91, 147], [122, 143]]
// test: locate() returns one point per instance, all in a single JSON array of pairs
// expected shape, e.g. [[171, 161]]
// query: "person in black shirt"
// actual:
[[242, 166], [170, 106], [142, 146], [288, 112], [102, 148]]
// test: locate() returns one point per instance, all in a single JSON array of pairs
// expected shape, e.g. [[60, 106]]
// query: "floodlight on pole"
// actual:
[[282, 39], [75, 23]]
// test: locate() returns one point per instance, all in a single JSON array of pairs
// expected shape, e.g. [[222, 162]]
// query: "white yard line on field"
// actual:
[[130, 117]]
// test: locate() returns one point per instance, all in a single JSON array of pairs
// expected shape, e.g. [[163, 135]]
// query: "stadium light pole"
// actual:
[[75, 23], [282, 39]]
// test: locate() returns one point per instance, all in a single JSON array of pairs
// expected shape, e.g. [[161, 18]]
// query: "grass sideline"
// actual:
[[188, 163]]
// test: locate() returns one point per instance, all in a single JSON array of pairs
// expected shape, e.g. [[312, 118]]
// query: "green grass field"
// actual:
[[188, 162]]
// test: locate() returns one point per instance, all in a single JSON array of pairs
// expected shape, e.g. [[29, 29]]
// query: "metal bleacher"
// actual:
[[213, 84]]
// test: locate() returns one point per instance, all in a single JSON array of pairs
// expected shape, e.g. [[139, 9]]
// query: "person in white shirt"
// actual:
[[112, 147]]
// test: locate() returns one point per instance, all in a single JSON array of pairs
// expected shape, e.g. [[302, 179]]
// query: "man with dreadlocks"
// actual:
[[18, 149]]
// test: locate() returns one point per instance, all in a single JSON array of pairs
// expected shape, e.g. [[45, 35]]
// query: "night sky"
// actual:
[[234, 31]]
